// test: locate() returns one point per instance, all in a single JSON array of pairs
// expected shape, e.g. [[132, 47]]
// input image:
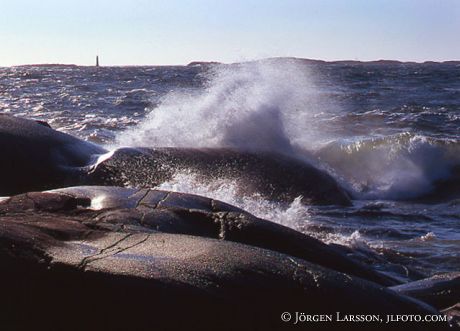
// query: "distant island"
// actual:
[[50, 65], [202, 63], [351, 62], [319, 62]]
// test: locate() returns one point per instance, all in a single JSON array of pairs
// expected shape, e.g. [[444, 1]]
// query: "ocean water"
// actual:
[[388, 132]]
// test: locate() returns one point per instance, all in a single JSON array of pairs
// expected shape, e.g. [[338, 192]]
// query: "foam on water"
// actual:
[[355, 240], [293, 215], [428, 236], [401, 166]]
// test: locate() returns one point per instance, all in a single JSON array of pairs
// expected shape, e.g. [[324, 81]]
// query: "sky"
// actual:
[[150, 32]]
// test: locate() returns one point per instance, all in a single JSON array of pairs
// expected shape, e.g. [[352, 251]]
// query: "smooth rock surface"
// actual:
[[173, 212], [69, 263]]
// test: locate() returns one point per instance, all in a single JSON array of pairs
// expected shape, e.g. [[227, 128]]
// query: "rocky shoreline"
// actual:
[[107, 257]]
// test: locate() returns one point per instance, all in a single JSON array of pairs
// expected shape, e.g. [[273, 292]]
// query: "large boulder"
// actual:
[[273, 176], [35, 157], [114, 258], [145, 210]]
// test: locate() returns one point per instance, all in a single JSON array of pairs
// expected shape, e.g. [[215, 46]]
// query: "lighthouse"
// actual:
[[97, 60]]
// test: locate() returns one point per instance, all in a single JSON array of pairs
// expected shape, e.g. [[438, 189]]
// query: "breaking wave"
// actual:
[[251, 106], [267, 106], [402, 166]]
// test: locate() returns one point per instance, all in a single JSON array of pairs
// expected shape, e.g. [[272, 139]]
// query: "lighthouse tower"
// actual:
[[97, 60]]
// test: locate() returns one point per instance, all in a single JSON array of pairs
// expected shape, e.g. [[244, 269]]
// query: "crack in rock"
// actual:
[[140, 201], [163, 199], [111, 250], [105, 252]]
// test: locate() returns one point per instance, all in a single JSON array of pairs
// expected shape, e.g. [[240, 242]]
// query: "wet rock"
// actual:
[[173, 212], [115, 258], [273, 176]]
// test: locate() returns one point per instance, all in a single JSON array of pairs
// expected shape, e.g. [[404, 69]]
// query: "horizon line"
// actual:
[[229, 63]]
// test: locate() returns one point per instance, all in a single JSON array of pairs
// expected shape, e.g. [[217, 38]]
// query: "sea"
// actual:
[[388, 132]]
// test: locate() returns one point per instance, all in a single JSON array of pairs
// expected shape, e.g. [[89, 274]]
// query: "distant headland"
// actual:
[[50, 65], [350, 62]]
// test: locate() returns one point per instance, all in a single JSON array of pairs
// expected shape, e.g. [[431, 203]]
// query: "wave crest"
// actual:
[[402, 166]]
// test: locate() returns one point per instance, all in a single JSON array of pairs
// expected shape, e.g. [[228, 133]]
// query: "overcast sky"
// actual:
[[136, 32]]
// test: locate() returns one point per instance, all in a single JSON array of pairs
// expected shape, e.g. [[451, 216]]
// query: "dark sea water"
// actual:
[[388, 132]]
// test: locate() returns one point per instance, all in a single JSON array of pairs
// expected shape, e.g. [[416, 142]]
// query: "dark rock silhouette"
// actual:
[[35, 157]]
